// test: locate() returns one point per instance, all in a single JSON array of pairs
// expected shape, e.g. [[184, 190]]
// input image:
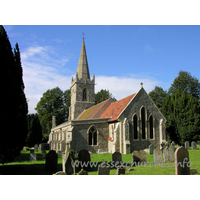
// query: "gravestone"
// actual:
[[173, 145], [51, 161], [84, 159], [182, 166], [117, 158], [139, 156], [44, 146], [168, 155], [167, 145], [158, 156], [103, 170], [187, 144], [194, 145], [36, 148], [44, 153], [68, 164], [60, 153], [162, 146], [33, 156], [151, 148], [121, 170]]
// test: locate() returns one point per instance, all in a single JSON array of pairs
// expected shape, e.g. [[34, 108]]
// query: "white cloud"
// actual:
[[121, 87], [43, 71]]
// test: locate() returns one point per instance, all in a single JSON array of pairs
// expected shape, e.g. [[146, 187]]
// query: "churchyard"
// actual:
[[34, 163]]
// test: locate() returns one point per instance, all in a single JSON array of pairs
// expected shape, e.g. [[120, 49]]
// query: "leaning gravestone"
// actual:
[[151, 148], [84, 159], [139, 156], [33, 156], [51, 161], [168, 155], [182, 166], [68, 164], [158, 156], [117, 158], [103, 170], [194, 145], [187, 144]]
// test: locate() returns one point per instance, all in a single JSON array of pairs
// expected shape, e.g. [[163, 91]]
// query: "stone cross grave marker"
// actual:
[[68, 164], [139, 156], [168, 155], [33, 156], [158, 156], [182, 165], [194, 145], [103, 170], [51, 161], [84, 158], [151, 148], [117, 158], [187, 144]]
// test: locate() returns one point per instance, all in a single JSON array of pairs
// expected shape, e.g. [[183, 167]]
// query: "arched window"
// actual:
[[143, 123], [84, 94], [135, 124], [151, 126], [92, 136]]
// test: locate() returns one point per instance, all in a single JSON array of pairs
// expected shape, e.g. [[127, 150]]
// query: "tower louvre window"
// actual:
[[84, 94]]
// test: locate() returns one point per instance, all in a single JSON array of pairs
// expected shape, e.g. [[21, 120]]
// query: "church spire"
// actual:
[[83, 70]]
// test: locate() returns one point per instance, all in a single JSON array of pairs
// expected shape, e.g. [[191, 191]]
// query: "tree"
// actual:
[[158, 95], [186, 82], [102, 95], [13, 100], [54, 102], [34, 130]]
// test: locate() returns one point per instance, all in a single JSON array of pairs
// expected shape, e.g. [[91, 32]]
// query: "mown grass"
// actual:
[[26, 167]]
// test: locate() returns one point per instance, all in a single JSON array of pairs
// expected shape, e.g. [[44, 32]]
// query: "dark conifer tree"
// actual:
[[13, 100]]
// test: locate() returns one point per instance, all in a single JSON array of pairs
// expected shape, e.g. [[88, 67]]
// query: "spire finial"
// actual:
[[141, 84], [83, 35]]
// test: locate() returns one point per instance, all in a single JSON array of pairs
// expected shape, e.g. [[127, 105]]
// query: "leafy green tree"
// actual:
[[102, 95], [186, 82], [54, 102], [34, 130], [13, 100], [158, 95]]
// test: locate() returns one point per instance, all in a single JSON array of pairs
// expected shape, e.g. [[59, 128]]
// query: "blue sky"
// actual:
[[120, 56]]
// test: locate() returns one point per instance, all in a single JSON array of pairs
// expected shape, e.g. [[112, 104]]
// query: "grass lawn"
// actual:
[[26, 167]]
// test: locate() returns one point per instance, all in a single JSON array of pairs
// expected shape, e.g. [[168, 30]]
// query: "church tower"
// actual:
[[82, 88]]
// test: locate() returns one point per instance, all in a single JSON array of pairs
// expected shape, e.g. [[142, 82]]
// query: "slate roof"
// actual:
[[107, 109]]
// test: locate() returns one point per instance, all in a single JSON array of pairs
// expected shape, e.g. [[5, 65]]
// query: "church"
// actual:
[[126, 125]]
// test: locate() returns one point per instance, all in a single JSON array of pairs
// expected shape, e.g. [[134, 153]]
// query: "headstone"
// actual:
[[121, 170], [51, 161], [194, 145], [103, 170], [182, 165], [44, 153], [68, 164], [187, 144], [117, 158], [36, 148], [33, 156], [44, 146], [173, 145], [168, 155], [151, 148], [158, 156], [167, 145], [84, 159], [139, 156]]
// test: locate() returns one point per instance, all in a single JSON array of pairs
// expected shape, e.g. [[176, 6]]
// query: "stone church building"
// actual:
[[126, 125]]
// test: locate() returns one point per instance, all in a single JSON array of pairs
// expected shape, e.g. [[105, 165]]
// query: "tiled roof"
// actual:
[[115, 108], [96, 111], [106, 109]]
